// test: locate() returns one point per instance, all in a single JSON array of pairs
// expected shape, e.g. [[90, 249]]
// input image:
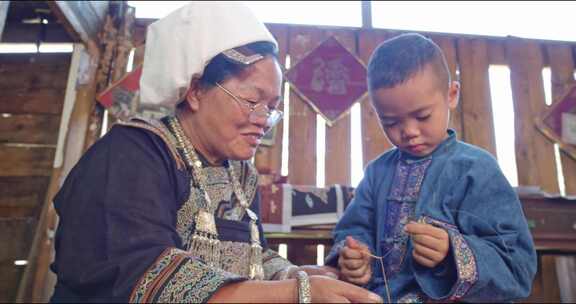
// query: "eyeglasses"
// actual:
[[256, 110]]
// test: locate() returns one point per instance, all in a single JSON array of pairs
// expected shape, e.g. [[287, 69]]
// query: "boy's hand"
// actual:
[[431, 243], [354, 262]]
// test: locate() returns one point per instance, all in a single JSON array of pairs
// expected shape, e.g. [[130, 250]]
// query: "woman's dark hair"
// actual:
[[221, 67]]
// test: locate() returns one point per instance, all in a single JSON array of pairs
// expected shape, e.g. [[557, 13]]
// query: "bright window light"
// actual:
[[503, 111], [336, 13], [320, 151], [550, 20], [56, 48], [12, 48], [283, 250], [22, 48], [357, 162], [547, 82]]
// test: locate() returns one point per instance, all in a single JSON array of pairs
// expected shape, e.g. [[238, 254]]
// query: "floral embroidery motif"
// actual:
[[178, 277], [404, 193], [464, 257]]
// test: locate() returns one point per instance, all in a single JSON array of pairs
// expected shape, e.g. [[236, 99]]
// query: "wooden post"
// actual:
[[366, 14], [534, 152], [448, 46], [338, 136], [562, 68], [374, 142], [476, 103], [268, 159], [3, 14], [302, 136]]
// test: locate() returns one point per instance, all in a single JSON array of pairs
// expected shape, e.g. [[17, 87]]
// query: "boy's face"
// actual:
[[415, 114]]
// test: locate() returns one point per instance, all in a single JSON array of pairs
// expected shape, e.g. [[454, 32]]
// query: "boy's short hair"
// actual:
[[396, 60]]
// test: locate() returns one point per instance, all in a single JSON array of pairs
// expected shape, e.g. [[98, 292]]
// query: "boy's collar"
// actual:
[[443, 146]]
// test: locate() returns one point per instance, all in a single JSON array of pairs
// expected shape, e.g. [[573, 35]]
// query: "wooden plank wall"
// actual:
[[32, 87], [469, 59]]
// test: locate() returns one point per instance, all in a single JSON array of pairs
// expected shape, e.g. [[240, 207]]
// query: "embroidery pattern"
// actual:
[[400, 208], [178, 277], [413, 298], [464, 257]]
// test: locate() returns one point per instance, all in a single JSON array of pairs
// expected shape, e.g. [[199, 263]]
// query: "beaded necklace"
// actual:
[[205, 242]]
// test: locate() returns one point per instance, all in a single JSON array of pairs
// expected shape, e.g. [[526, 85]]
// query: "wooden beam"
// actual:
[[82, 19], [374, 142], [268, 159], [302, 135], [476, 103], [3, 13], [367, 14], [534, 152]]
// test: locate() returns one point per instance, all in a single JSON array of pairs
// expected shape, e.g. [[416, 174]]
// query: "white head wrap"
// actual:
[[180, 45]]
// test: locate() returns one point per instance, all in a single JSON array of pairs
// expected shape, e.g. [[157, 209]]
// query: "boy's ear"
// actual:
[[453, 94], [192, 95]]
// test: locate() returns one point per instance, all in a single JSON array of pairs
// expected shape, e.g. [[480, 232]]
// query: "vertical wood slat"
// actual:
[[338, 136], [3, 13], [476, 104], [302, 136], [448, 46], [562, 70], [268, 159], [534, 152], [374, 142]]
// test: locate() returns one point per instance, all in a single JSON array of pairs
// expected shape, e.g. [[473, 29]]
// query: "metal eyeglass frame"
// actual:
[[256, 109]]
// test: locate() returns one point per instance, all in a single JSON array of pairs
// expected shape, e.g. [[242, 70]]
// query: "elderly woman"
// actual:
[[167, 210]]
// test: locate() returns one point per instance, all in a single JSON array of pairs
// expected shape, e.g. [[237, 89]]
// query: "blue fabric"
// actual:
[[492, 255]]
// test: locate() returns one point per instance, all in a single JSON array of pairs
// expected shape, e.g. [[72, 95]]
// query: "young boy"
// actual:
[[439, 211]]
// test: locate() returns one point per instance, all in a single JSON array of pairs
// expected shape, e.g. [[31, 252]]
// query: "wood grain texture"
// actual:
[[302, 133], [374, 141], [338, 136], [562, 69], [32, 129], [476, 103], [25, 161], [534, 152], [268, 159], [448, 46]]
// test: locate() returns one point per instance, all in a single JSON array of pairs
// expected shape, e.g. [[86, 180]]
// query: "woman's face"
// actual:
[[222, 128]]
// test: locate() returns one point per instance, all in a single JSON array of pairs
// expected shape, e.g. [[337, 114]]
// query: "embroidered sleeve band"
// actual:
[[273, 263], [176, 276], [464, 258]]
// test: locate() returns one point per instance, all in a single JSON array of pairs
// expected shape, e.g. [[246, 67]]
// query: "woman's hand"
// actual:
[[354, 262], [327, 290], [430, 243]]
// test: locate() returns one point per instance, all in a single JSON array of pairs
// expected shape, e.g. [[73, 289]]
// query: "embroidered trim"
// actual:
[[401, 206], [273, 263], [463, 256], [408, 180], [178, 277], [159, 129]]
